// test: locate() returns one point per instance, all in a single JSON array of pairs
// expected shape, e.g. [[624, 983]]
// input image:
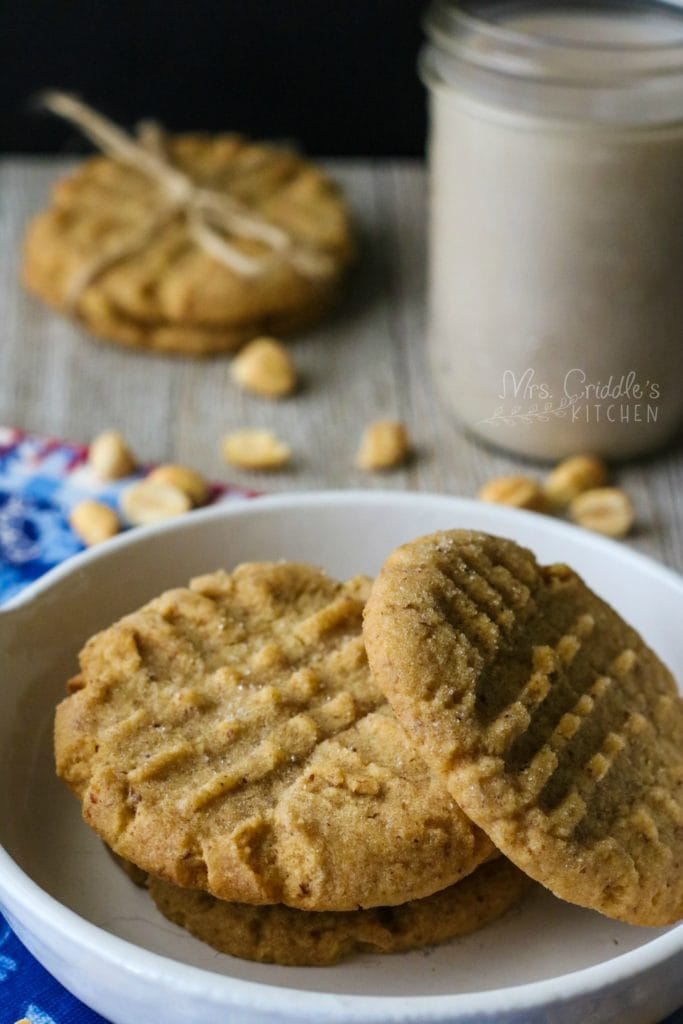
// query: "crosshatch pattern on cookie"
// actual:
[[230, 737], [283, 935], [559, 730]]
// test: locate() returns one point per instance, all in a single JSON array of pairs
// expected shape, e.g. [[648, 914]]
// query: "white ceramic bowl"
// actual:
[[97, 933]]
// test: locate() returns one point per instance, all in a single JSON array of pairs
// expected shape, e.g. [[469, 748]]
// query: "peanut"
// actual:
[[146, 502], [606, 510], [516, 491], [184, 478], [93, 521], [109, 456], [264, 367], [384, 445], [255, 449], [574, 476]]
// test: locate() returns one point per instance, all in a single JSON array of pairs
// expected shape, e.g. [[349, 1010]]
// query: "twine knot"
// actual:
[[212, 217]]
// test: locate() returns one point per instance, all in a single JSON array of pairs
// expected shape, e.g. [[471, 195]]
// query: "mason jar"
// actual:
[[555, 315]]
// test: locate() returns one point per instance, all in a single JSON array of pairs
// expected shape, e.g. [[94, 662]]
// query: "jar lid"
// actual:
[[575, 39], [605, 61]]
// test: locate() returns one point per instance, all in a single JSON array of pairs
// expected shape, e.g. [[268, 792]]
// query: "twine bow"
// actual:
[[211, 217]]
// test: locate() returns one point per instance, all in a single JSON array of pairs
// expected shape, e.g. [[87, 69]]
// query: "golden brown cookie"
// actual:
[[106, 320], [556, 728], [229, 737], [283, 935], [170, 293]]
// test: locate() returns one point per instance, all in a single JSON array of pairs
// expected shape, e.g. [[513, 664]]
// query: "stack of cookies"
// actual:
[[232, 742], [192, 245]]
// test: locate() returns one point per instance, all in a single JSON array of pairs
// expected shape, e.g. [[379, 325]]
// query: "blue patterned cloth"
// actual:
[[40, 481]]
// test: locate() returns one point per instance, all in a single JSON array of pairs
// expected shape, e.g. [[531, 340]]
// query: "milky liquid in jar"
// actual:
[[556, 224]]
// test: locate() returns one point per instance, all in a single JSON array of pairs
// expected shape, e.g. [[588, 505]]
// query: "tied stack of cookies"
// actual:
[[192, 244], [298, 768]]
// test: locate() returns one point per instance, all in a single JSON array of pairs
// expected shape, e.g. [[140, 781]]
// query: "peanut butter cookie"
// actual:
[[553, 724], [282, 935], [114, 251], [229, 737]]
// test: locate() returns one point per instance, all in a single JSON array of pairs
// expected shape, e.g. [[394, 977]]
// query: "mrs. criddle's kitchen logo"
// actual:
[[621, 398]]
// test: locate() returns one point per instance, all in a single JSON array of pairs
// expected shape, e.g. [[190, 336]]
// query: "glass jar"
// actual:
[[556, 223]]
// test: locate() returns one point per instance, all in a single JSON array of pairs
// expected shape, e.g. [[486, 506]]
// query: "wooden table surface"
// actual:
[[367, 361]]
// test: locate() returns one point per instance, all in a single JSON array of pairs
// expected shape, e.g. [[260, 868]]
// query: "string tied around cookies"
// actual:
[[213, 218]]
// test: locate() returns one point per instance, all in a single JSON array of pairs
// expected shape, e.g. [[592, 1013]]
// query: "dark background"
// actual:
[[337, 76]]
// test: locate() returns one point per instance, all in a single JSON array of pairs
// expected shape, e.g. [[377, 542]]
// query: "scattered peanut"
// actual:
[[93, 521], [109, 456], [517, 491], [184, 478], [255, 449], [265, 367], [384, 445], [574, 476], [146, 502], [606, 510]]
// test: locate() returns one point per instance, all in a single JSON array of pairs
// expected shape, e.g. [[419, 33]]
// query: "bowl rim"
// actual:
[[24, 896], [293, 499]]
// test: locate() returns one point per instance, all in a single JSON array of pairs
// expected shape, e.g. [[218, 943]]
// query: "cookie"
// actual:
[[165, 290], [555, 727], [106, 320], [229, 737], [283, 935]]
